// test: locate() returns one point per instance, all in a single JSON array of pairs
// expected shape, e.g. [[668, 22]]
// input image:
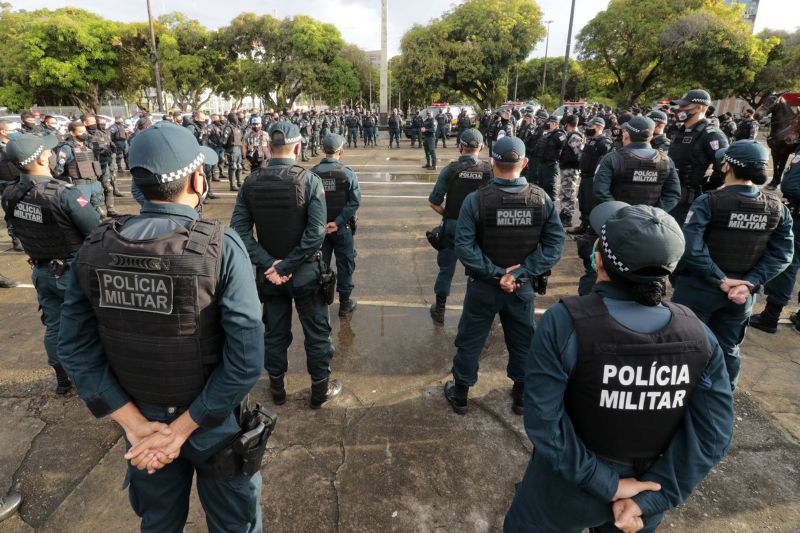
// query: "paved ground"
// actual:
[[390, 455]]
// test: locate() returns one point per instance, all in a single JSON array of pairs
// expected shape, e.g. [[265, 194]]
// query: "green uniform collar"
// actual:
[[465, 158], [27, 178], [329, 160], [281, 162]]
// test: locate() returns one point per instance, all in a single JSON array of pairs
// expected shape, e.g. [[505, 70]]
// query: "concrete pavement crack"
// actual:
[[524, 442]]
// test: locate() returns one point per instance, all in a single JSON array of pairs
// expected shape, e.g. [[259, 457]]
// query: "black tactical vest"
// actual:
[[337, 193], [510, 223], [234, 137], [156, 307], [46, 231], [8, 171], [569, 158], [590, 157], [639, 181], [465, 177], [554, 142], [660, 142], [628, 391], [83, 168], [275, 197], [120, 133], [681, 151], [740, 229]]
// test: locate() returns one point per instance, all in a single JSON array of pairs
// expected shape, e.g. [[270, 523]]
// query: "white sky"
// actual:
[[359, 20]]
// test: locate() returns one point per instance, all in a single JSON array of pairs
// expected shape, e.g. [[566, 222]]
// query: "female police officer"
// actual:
[[737, 239], [628, 402]]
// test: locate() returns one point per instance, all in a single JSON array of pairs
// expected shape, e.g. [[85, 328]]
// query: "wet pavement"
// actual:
[[389, 455]]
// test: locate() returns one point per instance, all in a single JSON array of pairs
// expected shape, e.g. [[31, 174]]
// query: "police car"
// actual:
[[572, 106]]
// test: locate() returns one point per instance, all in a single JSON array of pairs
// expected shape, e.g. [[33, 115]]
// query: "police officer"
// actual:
[[693, 148], [442, 124], [50, 126], [305, 134], [660, 141], [508, 236], [315, 138], [548, 151], [214, 136], [342, 198], [393, 122], [737, 239], [28, 123], [9, 174], [198, 126], [119, 136], [232, 141], [416, 129], [428, 131], [569, 166], [747, 127], [484, 123], [286, 203], [464, 122], [256, 144], [100, 142], [352, 124], [611, 454], [456, 180], [76, 163], [531, 141], [780, 288], [175, 381], [597, 145], [51, 218], [637, 174], [728, 126]]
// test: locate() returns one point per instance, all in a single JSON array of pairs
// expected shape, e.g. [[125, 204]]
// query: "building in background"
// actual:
[[750, 9]]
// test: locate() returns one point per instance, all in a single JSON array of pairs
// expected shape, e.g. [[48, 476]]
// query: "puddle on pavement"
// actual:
[[391, 177]]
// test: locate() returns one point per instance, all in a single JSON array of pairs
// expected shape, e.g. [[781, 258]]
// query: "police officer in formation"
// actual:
[[637, 174], [508, 235], [464, 122], [232, 142], [728, 126], [9, 174], [455, 182], [120, 136], [28, 123], [660, 141], [51, 218], [100, 142], [352, 124], [428, 131], [288, 262], [569, 165], [547, 153], [256, 144], [416, 129], [198, 127], [174, 383], [50, 126], [442, 126], [737, 239], [693, 148], [747, 127], [342, 198], [77, 164], [619, 440], [393, 122], [315, 137]]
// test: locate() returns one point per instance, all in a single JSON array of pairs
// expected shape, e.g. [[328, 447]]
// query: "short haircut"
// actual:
[[75, 124], [281, 149], [571, 120], [756, 175], [25, 114], [88, 116], [160, 192], [47, 117], [505, 167]]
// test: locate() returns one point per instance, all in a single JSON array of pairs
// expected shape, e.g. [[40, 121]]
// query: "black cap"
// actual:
[[639, 242], [282, 133], [639, 128], [695, 96], [471, 138], [508, 149], [167, 152]]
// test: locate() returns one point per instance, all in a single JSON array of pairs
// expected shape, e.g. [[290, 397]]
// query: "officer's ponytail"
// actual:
[[648, 293]]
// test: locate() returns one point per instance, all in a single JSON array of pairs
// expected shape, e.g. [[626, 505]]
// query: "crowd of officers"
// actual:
[[158, 322]]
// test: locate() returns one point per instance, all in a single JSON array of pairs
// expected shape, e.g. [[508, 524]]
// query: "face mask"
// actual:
[[91, 128], [594, 256], [590, 132], [683, 116], [85, 137]]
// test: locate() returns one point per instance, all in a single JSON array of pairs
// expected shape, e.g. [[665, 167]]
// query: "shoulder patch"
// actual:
[[796, 159], [714, 144], [82, 201], [688, 216]]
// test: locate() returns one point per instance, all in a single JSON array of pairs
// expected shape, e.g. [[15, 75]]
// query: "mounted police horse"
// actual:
[[784, 133]]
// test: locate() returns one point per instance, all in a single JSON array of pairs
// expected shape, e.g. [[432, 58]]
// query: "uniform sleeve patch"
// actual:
[[714, 144], [688, 217], [82, 201], [796, 159]]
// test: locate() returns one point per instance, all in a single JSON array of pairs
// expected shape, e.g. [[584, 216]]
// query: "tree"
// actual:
[[66, 55], [645, 49], [781, 71], [470, 49], [530, 79]]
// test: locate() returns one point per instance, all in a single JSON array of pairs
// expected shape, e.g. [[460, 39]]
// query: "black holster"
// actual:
[[436, 236], [327, 281], [353, 224], [540, 283], [244, 454]]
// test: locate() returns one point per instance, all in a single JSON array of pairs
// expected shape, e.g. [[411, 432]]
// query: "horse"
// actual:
[[783, 134]]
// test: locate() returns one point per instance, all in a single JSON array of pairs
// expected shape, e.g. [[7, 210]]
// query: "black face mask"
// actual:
[[92, 128], [85, 137], [590, 132]]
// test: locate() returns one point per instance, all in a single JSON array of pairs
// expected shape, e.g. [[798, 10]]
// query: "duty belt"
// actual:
[[57, 266], [639, 465]]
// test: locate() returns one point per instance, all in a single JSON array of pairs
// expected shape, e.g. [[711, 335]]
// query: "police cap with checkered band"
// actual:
[[166, 152], [638, 242], [24, 149], [695, 96]]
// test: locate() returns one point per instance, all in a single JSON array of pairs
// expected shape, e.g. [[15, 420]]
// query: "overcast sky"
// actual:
[[359, 20]]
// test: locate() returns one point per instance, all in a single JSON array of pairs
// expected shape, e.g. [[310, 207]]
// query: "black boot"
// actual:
[[118, 193], [566, 219], [346, 304], [517, 397], [63, 384], [109, 197], [437, 309], [230, 181], [456, 394], [794, 318], [7, 283], [277, 389], [768, 319], [16, 245], [323, 391]]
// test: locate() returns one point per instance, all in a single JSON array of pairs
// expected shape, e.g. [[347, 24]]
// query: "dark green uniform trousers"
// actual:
[[429, 143], [547, 179], [779, 289], [446, 259], [314, 318], [485, 300], [342, 244], [161, 500], [50, 294]]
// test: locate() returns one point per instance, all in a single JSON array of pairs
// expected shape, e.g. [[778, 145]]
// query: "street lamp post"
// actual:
[[546, 46], [566, 55], [154, 57]]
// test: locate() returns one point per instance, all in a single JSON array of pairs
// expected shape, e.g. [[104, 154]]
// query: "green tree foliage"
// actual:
[[781, 71], [646, 49], [529, 82], [66, 55], [469, 50]]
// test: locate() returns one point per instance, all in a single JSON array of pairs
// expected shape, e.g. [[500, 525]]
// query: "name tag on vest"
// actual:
[[645, 176], [329, 184], [687, 140], [29, 212], [466, 175], [515, 217], [149, 293], [751, 221]]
